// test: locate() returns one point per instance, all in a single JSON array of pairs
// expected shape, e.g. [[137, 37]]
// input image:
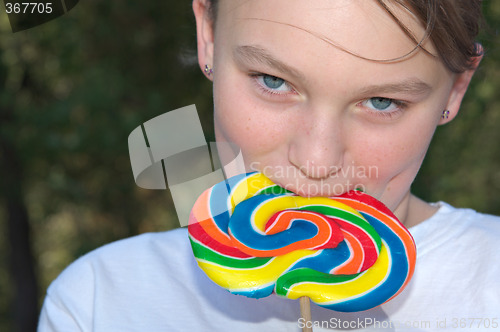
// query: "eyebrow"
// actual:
[[413, 86], [259, 55]]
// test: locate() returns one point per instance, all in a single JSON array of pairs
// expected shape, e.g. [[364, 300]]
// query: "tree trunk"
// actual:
[[22, 264]]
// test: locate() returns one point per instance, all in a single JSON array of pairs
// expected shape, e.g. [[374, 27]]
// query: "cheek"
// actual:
[[394, 156], [241, 120]]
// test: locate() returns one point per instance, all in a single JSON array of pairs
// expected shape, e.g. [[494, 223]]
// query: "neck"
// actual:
[[412, 210]]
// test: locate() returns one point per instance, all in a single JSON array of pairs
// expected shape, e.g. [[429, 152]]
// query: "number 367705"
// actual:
[[28, 8]]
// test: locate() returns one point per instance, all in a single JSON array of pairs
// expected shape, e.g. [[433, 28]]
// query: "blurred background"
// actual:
[[73, 89]]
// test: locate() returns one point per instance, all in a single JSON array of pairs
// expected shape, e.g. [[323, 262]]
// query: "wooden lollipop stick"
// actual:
[[305, 312]]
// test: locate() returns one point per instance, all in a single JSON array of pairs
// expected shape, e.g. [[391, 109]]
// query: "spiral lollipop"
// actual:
[[253, 238]]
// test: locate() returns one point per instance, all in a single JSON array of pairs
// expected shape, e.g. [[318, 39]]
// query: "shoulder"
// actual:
[[126, 271], [472, 221], [143, 243], [127, 254], [457, 251], [458, 221], [457, 231], [459, 237]]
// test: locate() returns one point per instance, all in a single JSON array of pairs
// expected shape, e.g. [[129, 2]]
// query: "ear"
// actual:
[[460, 85], [204, 33]]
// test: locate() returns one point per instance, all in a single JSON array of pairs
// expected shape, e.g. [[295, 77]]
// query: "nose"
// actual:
[[317, 147]]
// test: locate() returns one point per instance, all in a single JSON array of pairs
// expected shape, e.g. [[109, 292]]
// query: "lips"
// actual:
[[320, 188]]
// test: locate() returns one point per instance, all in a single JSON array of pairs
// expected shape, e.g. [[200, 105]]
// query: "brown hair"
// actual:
[[451, 25]]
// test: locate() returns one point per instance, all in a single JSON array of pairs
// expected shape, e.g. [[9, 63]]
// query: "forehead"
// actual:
[[361, 27]]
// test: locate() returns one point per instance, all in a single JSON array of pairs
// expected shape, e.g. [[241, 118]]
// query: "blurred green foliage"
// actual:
[[77, 86], [462, 165]]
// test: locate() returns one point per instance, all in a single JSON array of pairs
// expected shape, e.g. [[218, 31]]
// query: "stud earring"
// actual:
[[478, 49], [445, 115], [208, 70]]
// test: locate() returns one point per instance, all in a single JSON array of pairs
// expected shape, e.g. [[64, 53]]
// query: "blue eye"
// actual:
[[272, 82], [383, 105], [379, 103]]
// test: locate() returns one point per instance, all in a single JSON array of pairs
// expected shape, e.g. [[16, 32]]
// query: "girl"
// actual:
[[322, 96]]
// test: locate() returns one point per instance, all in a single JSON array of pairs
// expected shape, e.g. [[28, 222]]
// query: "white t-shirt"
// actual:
[[152, 283]]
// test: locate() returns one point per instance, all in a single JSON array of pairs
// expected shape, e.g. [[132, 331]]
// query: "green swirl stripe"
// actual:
[[276, 190], [202, 252], [286, 281]]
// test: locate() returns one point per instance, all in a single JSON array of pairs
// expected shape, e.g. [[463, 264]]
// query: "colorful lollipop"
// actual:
[[347, 253]]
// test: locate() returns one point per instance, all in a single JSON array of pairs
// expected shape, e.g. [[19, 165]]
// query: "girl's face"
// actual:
[[314, 118]]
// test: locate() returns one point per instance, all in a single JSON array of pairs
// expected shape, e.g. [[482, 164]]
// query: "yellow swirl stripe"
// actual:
[[324, 294], [248, 187], [252, 278]]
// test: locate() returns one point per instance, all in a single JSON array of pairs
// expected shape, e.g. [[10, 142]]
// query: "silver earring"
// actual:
[[445, 115], [208, 70]]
